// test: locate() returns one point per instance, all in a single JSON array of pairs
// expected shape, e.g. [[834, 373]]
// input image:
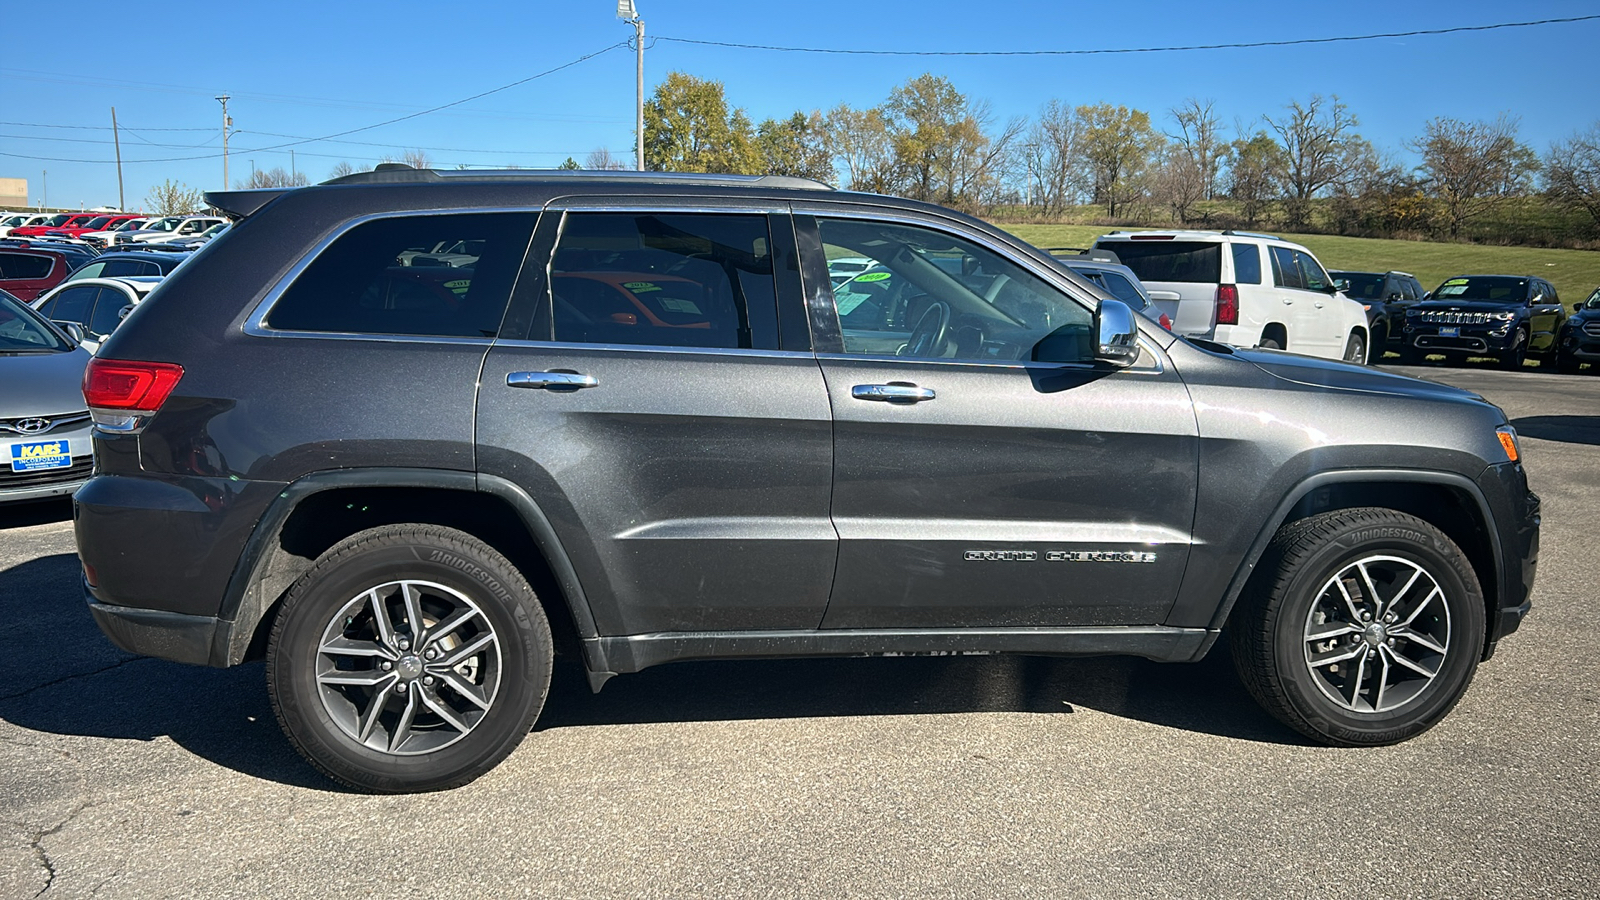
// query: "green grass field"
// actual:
[[1575, 273]]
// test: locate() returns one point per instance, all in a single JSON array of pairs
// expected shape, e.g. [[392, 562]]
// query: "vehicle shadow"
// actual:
[[1567, 429], [36, 512], [78, 683]]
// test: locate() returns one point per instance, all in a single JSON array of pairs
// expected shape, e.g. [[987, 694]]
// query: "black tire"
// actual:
[[1355, 349], [1271, 343], [1565, 364], [1511, 359], [1411, 356], [1271, 632], [454, 578]]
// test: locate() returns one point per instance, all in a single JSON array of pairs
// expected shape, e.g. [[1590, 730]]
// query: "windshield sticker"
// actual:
[[676, 305], [1455, 281], [875, 276], [641, 287], [1452, 290], [847, 303], [459, 286]]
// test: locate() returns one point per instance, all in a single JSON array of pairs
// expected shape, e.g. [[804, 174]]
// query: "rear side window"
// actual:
[[1246, 263], [445, 276], [24, 266], [1182, 261], [108, 310], [665, 279], [1122, 289], [115, 267], [1284, 271]]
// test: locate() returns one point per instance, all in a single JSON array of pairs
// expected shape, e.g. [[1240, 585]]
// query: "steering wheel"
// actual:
[[928, 335]]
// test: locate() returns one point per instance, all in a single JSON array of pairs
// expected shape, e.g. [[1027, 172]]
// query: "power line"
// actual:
[[1108, 51], [93, 127], [338, 134]]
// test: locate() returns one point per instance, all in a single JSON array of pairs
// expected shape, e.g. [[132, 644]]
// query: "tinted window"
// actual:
[[1284, 271], [1122, 289], [115, 267], [1311, 275], [1496, 288], [21, 328], [108, 310], [73, 305], [1362, 285], [1185, 261], [365, 281], [990, 307], [24, 265], [1246, 263], [665, 279]]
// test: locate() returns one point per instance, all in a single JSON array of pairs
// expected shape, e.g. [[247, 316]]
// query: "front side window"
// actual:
[[931, 295], [108, 310], [1312, 277], [1284, 271], [1122, 289], [22, 330], [71, 305], [369, 280], [665, 279]]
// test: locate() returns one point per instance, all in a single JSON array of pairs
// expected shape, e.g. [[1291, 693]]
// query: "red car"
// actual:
[[28, 270], [98, 223], [55, 222]]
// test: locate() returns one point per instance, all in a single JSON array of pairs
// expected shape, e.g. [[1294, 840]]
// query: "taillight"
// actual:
[[123, 386], [1227, 304]]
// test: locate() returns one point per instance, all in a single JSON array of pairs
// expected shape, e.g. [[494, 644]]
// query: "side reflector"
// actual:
[[1508, 440]]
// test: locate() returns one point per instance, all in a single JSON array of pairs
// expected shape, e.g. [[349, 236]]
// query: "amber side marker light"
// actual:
[[1508, 440]]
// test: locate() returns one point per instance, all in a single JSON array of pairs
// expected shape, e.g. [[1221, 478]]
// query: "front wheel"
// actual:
[[408, 658], [1362, 627], [1512, 358], [1565, 364]]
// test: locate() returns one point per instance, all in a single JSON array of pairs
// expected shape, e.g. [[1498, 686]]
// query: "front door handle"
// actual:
[[1288, 301], [893, 392], [571, 381]]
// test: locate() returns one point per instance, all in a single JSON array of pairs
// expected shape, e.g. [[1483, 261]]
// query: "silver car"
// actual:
[[45, 449]]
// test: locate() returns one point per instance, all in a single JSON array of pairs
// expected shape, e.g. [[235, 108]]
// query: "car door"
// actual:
[[986, 472], [1545, 316], [645, 402]]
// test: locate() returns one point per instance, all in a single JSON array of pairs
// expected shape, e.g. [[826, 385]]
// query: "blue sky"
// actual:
[[308, 70]]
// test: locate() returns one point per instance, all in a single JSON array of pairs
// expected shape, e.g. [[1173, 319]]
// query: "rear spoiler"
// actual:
[[237, 205]]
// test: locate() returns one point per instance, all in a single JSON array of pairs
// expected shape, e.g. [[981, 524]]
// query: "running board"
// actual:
[[607, 656]]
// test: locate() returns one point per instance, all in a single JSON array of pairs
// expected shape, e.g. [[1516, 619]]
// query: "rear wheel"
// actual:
[[408, 658], [1271, 343], [1362, 627]]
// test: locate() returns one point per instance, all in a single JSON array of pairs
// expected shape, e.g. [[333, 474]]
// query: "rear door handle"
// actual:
[[893, 392], [550, 380]]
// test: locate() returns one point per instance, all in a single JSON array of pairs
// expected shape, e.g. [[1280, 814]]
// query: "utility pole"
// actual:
[[227, 123], [117, 140], [627, 12], [291, 167], [44, 189]]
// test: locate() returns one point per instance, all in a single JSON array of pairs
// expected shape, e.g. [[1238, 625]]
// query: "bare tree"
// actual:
[[859, 142], [1573, 173], [1179, 183], [602, 159], [1322, 150], [1118, 149], [171, 198], [1472, 165], [275, 177], [1199, 137], [416, 159], [1049, 158], [1255, 174], [341, 170]]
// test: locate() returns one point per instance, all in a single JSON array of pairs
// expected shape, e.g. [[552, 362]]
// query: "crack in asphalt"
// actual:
[[65, 678], [43, 858]]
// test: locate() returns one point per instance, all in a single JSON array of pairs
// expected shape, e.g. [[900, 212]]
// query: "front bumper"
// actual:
[[1484, 339], [1516, 512], [1581, 345], [44, 483]]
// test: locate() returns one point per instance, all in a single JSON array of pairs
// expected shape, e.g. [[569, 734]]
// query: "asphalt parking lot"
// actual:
[[974, 776]]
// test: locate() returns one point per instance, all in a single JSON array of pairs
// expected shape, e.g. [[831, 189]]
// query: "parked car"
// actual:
[[122, 263], [195, 242], [1385, 296], [29, 268], [642, 399], [45, 448], [156, 226], [845, 268], [1103, 270], [1580, 337], [100, 239], [188, 227], [96, 305], [55, 222], [1509, 317], [98, 223], [1246, 290], [18, 220]]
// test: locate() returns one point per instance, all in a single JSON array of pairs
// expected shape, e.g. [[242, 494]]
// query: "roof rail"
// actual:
[[1255, 234], [399, 173]]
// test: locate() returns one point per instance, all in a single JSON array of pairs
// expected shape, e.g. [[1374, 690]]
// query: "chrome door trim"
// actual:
[[656, 348]]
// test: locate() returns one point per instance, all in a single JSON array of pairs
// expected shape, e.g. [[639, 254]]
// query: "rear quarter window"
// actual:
[[24, 266], [1246, 263], [1180, 261], [368, 281]]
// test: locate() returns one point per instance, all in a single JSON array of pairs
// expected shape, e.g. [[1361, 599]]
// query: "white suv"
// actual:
[[1248, 290]]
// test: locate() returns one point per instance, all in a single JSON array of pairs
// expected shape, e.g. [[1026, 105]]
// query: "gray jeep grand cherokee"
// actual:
[[634, 409]]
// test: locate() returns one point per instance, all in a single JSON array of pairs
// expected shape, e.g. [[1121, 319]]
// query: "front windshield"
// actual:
[[1594, 300], [1360, 285], [22, 330], [1492, 288], [132, 225], [166, 224], [13, 221]]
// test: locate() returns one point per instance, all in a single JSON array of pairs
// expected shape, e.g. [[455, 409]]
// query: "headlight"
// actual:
[[1505, 316]]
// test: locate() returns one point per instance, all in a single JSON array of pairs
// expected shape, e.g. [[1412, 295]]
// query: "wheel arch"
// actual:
[[313, 513], [1449, 501]]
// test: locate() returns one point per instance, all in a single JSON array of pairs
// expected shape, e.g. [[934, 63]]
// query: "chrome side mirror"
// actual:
[[73, 330], [1116, 334]]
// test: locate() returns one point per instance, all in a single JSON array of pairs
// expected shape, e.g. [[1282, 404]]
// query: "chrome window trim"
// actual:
[[642, 205], [656, 348], [255, 324], [1156, 364]]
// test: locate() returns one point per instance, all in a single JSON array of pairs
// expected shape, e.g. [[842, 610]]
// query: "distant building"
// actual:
[[13, 193]]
